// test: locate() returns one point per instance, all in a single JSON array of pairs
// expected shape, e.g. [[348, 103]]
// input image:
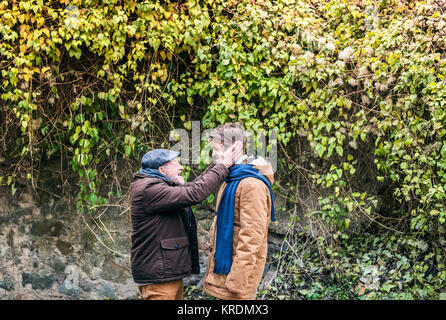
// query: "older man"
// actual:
[[164, 240]]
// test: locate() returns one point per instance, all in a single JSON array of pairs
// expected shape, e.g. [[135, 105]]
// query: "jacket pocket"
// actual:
[[176, 255]]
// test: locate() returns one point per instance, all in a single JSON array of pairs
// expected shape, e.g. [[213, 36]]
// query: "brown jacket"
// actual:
[[164, 246], [252, 213]]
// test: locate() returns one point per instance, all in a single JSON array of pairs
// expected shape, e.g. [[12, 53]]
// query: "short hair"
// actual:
[[228, 134]]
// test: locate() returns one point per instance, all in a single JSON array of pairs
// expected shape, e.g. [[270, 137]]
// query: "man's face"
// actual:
[[217, 148], [173, 170]]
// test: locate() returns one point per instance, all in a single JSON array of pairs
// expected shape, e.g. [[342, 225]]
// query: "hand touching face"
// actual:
[[229, 156]]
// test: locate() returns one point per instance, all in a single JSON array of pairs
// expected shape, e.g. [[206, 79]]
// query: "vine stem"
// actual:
[[101, 242]]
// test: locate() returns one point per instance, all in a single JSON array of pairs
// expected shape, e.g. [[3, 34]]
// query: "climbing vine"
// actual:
[[357, 85]]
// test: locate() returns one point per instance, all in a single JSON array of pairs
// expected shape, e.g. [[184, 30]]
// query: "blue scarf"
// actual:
[[154, 173], [225, 215]]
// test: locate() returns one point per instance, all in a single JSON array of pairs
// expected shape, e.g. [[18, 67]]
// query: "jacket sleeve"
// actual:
[[163, 197], [254, 214]]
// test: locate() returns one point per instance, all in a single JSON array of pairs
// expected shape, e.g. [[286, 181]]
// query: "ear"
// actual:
[[162, 170]]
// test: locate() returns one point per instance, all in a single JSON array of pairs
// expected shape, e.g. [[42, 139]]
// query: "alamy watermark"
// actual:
[[371, 17], [72, 17], [195, 147]]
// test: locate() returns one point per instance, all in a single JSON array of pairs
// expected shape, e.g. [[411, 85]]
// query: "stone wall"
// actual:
[[48, 252]]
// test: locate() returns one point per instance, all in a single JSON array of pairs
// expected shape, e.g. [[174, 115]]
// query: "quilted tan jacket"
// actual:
[[252, 213]]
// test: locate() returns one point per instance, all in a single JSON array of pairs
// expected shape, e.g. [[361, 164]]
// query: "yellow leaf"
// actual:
[[26, 77], [347, 103]]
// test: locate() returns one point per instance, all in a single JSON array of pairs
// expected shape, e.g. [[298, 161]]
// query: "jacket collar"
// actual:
[[139, 176]]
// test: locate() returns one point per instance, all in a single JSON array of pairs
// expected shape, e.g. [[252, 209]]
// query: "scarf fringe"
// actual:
[[222, 268]]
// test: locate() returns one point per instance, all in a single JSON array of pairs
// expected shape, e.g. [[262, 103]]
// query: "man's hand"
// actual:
[[231, 155]]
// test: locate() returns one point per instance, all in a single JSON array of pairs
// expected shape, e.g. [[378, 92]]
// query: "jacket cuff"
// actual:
[[238, 286], [234, 290]]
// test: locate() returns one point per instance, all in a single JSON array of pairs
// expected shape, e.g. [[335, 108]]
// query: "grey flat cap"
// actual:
[[157, 157]]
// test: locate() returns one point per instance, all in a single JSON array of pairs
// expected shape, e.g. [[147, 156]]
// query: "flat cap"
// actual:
[[157, 157]]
